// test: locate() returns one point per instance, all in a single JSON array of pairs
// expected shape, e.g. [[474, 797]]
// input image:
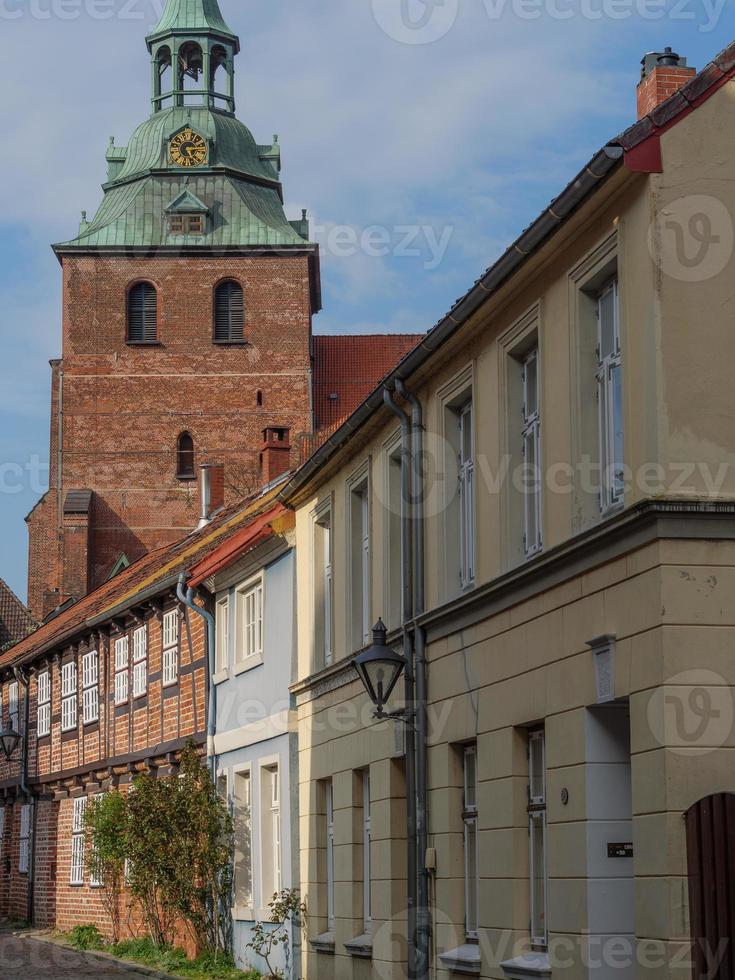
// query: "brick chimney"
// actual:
[[663, 74], [275, 455]]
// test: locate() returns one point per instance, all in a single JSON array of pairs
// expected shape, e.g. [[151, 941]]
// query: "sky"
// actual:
[[421, 135]]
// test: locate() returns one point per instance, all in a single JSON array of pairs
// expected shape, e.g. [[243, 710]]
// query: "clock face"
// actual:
[[188, 149]]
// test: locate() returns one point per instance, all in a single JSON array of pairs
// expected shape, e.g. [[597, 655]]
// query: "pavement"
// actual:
[[34, 959]]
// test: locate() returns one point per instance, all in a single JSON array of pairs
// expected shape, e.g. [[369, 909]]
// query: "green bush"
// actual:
[[86, 937], [208, 966]]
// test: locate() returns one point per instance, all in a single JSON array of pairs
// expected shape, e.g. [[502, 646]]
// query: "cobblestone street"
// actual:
[[33, 960]]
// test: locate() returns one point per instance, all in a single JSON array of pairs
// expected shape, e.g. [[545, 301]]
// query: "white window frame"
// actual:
[[466, 467], [44, 703], [78, 841], [171, 648], [324, 574], [470, 820], [367, 902], [122, 669], [612, 490], [95, 880], [13, 706], [243, 802], [69, 696], [329, 807], [90, 688], [531, 435], [275, 776], [24, 840], [250, 624], [140, 662], [222, 626], [537, 809], [359, 559]]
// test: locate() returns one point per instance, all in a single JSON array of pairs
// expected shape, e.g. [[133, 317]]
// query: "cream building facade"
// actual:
[[579, 534]]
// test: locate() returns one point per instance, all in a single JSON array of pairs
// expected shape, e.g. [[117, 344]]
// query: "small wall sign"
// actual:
[[620, 850]]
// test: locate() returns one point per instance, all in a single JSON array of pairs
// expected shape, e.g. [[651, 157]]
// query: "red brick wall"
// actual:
[[124, 407]]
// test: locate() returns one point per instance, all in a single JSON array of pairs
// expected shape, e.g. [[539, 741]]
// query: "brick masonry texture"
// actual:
[[124, 407]]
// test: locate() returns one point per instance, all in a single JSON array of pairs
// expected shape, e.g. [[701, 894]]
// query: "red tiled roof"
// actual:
[[153, 569], [348, 368], [15, 620]]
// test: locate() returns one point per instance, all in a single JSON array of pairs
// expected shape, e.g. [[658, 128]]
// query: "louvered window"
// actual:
[[229, 313], [122, 678], [90, 688], [170, 648], [140, 662], [69, 703], [76, 876], [142, 314]]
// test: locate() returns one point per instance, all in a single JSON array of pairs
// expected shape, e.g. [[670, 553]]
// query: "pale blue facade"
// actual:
[[256, 743]]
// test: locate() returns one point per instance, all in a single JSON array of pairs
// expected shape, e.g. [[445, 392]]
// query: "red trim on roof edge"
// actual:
[[646, 157], [236, 546]]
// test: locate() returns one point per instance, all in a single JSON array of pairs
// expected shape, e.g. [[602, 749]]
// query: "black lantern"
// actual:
[[9, 739], [380, 668]]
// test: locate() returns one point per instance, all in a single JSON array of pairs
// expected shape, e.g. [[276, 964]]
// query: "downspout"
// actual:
[[22, 678], [423, 938], [186, 596], [410, 692]]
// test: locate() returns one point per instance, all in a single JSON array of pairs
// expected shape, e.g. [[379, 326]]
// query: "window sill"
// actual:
[[464, 959], [231, 343], [250, 664], [361, 947], [186, 477], [243, 913], [532, 966], [143, 343], [221, 676], [323, 943], [169, 684]]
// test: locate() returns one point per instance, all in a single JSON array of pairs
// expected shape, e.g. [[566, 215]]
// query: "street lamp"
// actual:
[[379, 668], [9, 740]]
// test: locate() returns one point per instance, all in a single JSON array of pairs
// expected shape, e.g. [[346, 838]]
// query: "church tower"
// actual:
[[187, 310]]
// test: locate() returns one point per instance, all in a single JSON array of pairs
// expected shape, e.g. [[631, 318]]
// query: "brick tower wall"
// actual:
[[125, 406]]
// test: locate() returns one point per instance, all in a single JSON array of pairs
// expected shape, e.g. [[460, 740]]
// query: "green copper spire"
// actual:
[[193, 57], [193, 16]]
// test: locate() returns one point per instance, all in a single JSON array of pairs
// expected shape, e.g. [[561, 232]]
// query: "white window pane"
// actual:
[[121, 687], [140, 644], [121, 653], [607, 313], [140, 677]]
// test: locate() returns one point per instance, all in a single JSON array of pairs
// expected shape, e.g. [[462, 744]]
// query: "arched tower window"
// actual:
[[229, 313], [164, 79], [142, 314], [185, 457], [191, 67]]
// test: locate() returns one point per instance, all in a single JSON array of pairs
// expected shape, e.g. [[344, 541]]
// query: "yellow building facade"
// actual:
[[578, 525]]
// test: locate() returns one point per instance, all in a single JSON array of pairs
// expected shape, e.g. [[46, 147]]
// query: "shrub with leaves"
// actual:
[[106, 820], [179, 849], [285, 908]]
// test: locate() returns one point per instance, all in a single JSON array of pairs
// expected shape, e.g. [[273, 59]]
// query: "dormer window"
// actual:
[[186, 224], [187, 215]]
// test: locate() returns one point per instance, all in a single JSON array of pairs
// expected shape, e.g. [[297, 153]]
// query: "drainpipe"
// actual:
[[22, 679], [410, 693], [186, 596], [423, 937]]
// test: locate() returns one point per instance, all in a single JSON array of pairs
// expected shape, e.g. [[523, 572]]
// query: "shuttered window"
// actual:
[[229, 312], [90, 688], [140, 662], [122, 673], [44, 703], [69, 696], [142, 314], [76, 876], [170, 648]]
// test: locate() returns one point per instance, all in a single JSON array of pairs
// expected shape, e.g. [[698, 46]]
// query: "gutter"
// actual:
[[186, 596], [22, 678], [599, 168]]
